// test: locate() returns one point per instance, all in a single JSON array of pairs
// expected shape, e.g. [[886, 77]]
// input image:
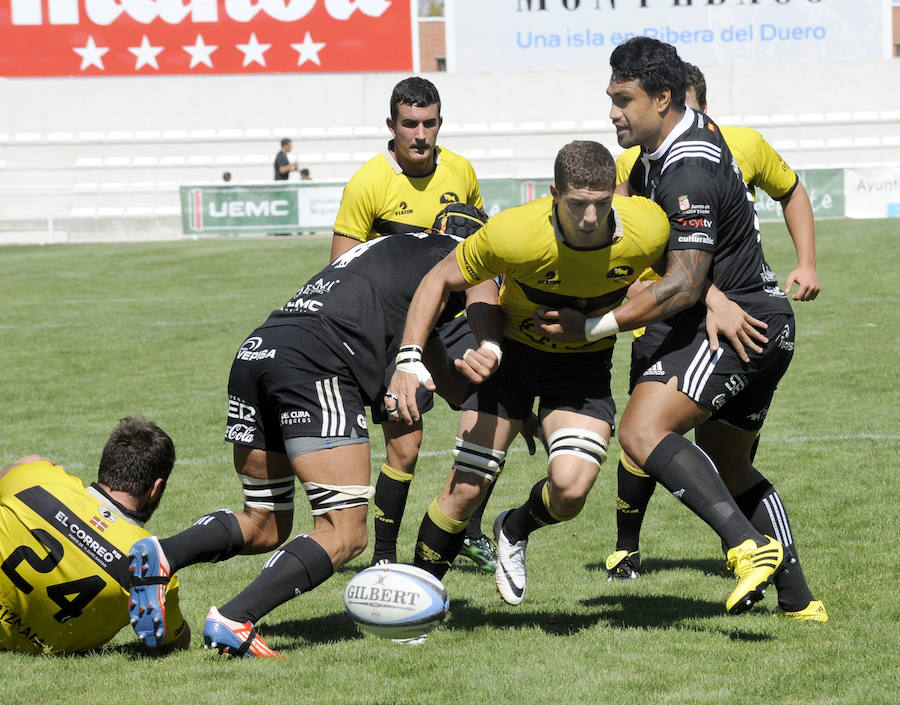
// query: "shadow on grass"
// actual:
[[333, 627], [614, 611], [710, 566]]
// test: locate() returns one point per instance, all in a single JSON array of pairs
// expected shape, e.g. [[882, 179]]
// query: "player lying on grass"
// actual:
[[297, 394], [64, 584]]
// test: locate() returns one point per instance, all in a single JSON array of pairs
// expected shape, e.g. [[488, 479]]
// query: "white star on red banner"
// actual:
[[254, 51], [308, 50], [146, 54], [91, 54], [200, 52]]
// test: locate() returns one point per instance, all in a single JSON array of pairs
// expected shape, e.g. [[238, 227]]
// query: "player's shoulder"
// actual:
[[642, 219], [451, 158], [625, 163], [32, 471]]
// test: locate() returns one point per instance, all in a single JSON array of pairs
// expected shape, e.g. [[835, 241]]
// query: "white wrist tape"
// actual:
[[409, 359], [494, 347], [600, 326]]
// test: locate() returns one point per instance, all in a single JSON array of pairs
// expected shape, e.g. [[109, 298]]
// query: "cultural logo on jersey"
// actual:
[[156, 37]]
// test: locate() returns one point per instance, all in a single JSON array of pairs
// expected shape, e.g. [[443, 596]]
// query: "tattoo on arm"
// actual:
[[683, 284]]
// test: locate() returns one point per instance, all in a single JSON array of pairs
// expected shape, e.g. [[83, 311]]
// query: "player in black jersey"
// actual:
[[722, 391], [297, 394]]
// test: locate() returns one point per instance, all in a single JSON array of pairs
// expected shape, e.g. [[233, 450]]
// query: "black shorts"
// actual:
[[285, 383], [578, 382], [733, 391], [457, 338]]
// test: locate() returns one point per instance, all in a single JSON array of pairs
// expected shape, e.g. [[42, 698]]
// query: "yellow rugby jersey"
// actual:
[[540, 270], [380, 199], [761, 166], [64, 558]]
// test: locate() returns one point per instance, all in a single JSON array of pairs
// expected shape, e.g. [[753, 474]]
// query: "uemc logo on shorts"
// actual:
[[250, 350], [239, 433]]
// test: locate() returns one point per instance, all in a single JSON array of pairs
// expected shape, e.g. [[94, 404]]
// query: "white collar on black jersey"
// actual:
[[685, 124], [395, 165]]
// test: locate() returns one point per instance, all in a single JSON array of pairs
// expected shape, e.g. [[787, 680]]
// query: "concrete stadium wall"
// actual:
[[88, 156]]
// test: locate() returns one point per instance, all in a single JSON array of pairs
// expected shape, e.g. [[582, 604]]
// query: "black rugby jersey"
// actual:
[[697, 182], [357, 305]]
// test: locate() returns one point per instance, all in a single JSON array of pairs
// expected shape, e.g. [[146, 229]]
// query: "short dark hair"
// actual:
[[695, 79], [137, 453], [654, 64], [416, 91], [584, 164], [285, 141]]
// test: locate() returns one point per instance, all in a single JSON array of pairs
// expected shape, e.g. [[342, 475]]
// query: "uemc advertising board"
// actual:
[[154, 37], [230, 209], [535, 35]]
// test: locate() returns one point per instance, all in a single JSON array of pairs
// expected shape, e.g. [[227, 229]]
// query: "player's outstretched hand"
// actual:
[[565, 325], [807, 280], [478, 365], [743, 331]]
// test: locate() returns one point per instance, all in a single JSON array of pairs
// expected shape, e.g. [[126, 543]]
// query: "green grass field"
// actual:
[[92, 333]]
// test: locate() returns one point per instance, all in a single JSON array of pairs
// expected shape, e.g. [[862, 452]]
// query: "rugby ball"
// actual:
[[396, 601]]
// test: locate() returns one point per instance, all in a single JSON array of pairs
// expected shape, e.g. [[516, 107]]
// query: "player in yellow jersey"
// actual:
[[64, 583], [402, 190], [761, 167], [582, 246]]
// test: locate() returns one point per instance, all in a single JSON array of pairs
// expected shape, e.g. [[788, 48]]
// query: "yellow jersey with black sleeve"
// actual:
[[540, 270], [761, 166], [64, 580], [380, 199]]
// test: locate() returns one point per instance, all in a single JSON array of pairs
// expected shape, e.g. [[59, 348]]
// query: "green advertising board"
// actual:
[[232, 209], [826, 193]]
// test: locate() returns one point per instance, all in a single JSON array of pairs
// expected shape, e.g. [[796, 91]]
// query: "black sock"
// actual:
[[634, 493], [391, 491], [689, 474], [474, 530], [532, 515], [440, 539], [762, 505], [214, 537], [295, 568]]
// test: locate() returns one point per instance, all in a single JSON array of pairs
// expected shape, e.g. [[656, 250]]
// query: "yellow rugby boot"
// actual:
[[754, 567]]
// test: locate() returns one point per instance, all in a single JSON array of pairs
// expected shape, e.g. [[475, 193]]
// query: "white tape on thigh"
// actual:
[[478, 460], [274, 494], [587, 445], [326, 498]]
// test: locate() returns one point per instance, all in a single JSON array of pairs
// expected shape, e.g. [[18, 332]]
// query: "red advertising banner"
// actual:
[[157, 37]]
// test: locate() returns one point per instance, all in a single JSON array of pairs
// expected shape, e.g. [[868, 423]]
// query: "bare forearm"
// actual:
[[798, 216], [683, 284]]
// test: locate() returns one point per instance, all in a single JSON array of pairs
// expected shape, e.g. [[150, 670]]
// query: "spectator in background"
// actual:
[[304, 175], [226, 177], [283, 165]]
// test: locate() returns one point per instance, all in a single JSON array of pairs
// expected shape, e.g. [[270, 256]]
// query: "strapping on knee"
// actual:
[[479, 460], [326, 498], [273, 494], [579, 442]]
